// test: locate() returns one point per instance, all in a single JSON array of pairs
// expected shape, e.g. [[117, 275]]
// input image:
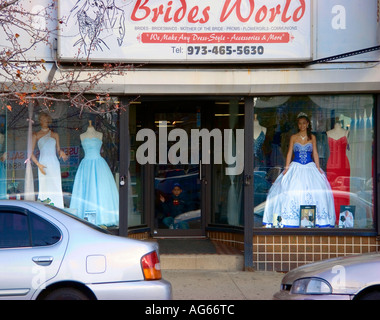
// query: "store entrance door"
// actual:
[[180, 181]]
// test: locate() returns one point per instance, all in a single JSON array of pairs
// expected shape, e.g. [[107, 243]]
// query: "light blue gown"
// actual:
[[94, 189], [303, 184]]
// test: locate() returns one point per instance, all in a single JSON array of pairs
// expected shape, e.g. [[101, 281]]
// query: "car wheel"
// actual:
[[373, 295], [66, 294]]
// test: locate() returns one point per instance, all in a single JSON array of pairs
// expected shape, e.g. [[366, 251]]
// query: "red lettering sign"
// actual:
[[143, 10], [263, 13]]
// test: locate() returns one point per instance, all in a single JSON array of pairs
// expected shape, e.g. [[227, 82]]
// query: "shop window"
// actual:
[[326, 179], [14, 232], [136, 217], [227, 189], [43, 232], [63, 156]]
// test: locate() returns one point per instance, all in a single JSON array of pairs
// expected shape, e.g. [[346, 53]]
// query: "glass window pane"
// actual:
[[43, 232], [135, 196], [14, 231], [314, 161], [176, 183], [66, 157], [227, 184]]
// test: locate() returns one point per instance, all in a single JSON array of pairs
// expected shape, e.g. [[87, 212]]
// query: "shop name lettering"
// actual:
[[227, 146], [240, 9]]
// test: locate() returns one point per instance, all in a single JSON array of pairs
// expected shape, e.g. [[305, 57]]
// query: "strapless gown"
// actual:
[[303, 184], [338, 172], [94, 189]]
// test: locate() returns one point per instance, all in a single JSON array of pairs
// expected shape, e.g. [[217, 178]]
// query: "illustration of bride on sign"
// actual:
[[101, 24]]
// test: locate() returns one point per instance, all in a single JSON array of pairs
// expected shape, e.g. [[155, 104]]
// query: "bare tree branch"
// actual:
[[5, 4], [23, 78]]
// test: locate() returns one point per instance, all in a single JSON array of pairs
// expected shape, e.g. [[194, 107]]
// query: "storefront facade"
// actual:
[[217, 129]]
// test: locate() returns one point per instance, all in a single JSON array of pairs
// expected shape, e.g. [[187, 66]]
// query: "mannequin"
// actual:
[[257, 128], [338, 165], [94, 189], [337, 132], [49, 171], [91, 133], [259, 138]]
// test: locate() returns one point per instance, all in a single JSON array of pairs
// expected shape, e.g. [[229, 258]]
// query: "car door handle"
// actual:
[[43, 261]]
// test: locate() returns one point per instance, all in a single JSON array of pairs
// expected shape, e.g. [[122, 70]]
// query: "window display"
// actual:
[[313, 160], [330, 167], [302, 182], [63, 156]]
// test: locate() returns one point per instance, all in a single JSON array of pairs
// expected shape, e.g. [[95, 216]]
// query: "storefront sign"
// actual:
[[185, 30], [340, 28]]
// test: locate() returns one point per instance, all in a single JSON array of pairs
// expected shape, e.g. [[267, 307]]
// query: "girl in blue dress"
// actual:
[[302, 182]]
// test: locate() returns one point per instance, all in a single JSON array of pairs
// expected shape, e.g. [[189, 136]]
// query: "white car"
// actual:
[[46, 253], [354, 277]]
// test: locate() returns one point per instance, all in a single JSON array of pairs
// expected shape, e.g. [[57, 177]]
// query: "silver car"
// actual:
[[347, 278], [46, 253]]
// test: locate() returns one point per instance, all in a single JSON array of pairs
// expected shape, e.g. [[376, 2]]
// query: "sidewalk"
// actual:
[[222, 285]]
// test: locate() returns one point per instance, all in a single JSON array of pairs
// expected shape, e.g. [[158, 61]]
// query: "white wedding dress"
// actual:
[[50, 184]]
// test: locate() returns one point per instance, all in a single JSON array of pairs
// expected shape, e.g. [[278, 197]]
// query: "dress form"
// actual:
[[94, 191], [49, 170], [257, 128], [337, 132], [338, 166], [91, 133]]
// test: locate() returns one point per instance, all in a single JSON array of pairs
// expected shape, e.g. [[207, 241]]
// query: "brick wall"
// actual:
[[285, 252]]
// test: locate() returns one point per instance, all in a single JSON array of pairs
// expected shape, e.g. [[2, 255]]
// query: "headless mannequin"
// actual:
[[337, 132], [257, 128], [91, 133]]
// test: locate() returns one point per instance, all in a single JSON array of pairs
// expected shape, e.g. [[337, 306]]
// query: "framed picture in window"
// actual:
[[307, 216], [346, 216]]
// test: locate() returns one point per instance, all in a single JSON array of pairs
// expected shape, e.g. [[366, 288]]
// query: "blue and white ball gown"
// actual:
[[303, 184], [94, 189], [49, 184]]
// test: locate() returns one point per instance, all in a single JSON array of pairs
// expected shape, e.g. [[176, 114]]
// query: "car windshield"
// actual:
[[89, 224]]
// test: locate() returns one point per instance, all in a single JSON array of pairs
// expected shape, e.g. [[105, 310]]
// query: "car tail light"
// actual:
[[151, 266]]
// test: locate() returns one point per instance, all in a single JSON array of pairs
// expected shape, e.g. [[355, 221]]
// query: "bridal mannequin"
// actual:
[[91, 133], [259, 133], [94, 190], [49, 170], [338, 165], [257, 128], [337, 132]]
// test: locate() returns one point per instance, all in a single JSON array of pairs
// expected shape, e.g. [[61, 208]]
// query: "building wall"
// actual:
[[285, 252], [282, 253]]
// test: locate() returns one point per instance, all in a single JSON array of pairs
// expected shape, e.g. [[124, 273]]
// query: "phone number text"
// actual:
[[225, 50]]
